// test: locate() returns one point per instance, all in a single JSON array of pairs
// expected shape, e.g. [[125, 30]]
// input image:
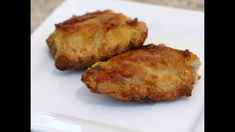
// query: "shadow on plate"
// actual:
[[67, 72], [47, 51]]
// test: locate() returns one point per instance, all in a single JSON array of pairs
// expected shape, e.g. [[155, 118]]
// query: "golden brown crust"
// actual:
[[83, 40], [152, 73]]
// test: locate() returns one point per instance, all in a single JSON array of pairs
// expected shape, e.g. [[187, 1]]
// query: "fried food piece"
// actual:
[[83, 40], [152, 73]]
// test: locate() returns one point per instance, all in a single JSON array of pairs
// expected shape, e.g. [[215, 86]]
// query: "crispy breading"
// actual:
[[83, 40], [152, 73]]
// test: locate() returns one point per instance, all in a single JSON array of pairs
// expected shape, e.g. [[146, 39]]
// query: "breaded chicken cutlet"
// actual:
[[152, 73], [83, 40]]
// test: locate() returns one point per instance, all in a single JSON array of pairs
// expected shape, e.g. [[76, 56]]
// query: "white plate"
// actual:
[[61, 102]]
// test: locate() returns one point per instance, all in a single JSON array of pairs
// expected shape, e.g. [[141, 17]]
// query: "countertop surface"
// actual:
[[40, 9]]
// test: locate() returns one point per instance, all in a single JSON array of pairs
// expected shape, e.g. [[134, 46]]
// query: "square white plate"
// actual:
[[61, 102]]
